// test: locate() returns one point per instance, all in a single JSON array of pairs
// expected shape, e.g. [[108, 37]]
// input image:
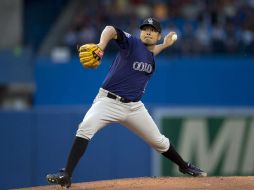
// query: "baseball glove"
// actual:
[[90, 55]]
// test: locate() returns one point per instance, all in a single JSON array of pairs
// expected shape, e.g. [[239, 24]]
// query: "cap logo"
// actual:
[[150, 21]]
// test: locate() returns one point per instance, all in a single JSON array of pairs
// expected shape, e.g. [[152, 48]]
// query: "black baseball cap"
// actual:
[[151, 22]]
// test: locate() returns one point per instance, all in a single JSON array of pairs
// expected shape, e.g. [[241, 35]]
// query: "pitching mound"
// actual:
[[164, 183]]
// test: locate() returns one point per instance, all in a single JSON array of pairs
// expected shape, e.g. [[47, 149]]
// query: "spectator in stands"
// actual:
[[219, 26]]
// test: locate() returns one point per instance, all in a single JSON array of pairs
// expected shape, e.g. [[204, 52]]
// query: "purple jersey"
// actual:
[[131, 69]]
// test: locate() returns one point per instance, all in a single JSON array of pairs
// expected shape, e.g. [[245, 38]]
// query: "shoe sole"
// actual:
[[54, 181], [202, 174]]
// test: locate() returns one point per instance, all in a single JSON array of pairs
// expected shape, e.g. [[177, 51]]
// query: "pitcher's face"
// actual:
[[149, 35]]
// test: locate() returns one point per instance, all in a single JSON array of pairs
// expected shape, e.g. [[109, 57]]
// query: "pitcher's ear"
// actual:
[[159, 37]]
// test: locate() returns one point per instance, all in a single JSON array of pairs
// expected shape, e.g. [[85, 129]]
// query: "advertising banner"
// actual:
[[220, 141]]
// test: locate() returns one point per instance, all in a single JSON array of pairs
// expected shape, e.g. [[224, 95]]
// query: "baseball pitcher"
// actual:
[[119, 98]]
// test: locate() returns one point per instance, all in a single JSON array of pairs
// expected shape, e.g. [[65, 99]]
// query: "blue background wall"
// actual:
[[35, 142], [16, 66], [177, 81]]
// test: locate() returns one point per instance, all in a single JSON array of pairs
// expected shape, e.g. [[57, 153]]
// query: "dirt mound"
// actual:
[[164, 183]]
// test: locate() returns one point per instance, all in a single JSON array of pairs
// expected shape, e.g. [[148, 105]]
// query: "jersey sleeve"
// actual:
[[124, 40]]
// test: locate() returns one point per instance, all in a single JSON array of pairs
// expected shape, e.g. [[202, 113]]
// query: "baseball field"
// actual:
[[164, 183]]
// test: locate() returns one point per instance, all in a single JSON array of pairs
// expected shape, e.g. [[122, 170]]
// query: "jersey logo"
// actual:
[[140, 66], [127, 34]]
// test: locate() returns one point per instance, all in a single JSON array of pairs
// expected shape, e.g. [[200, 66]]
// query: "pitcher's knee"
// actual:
[[87, 129], [161, 145]]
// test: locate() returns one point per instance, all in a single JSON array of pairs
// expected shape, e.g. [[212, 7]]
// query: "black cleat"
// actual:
[[62, 178], [193, 171]]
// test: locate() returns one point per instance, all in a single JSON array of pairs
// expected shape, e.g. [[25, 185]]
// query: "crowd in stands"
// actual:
[[203, 26]]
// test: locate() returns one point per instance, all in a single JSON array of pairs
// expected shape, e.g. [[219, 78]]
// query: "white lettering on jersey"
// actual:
[[140, 66]]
